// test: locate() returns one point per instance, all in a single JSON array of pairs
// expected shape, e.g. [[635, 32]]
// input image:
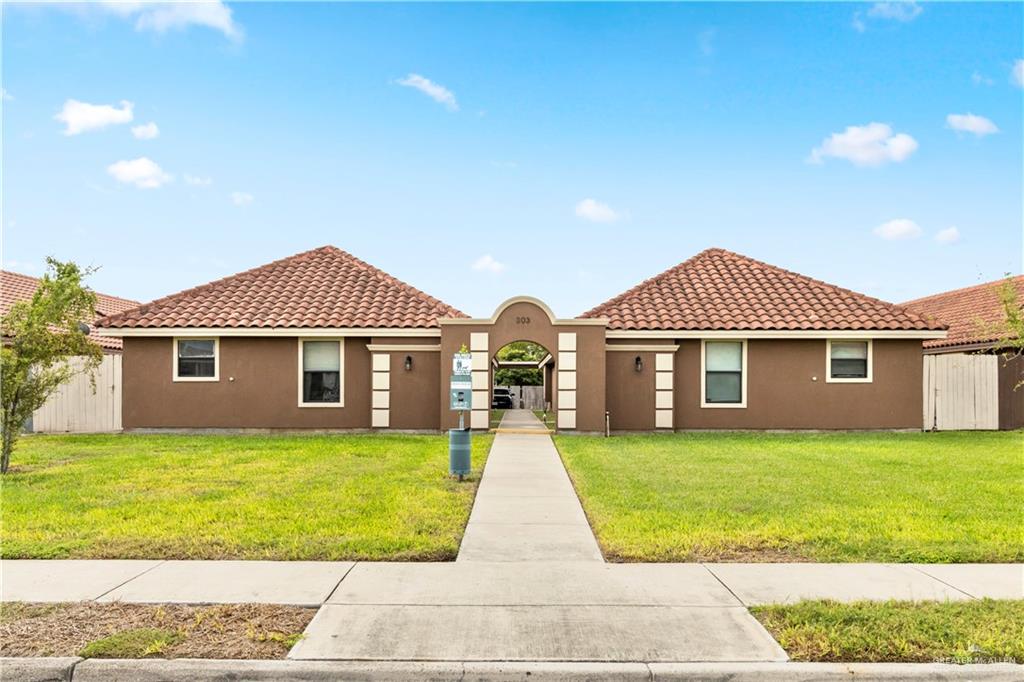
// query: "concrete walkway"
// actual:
[[526, 508]]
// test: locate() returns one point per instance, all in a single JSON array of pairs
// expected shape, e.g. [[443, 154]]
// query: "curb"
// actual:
[[208, 670]]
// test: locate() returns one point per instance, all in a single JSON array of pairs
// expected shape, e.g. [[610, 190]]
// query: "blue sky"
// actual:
[[484, 151]]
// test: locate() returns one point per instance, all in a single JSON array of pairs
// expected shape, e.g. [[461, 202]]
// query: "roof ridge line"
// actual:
[[638, 287], [186, 293], [995, 282], [829, 285], [391, 279]]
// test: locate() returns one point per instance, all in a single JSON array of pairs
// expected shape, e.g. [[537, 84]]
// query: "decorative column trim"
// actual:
[[663, 381], [566, 383], [380, 417], [480, 415]]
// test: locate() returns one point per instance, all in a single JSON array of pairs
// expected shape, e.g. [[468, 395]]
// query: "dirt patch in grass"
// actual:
[[118, 630], [985, 631]]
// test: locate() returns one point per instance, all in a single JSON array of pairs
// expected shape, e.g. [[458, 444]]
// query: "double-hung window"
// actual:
[[849, 361], [723, 383], [320, 373], [196, 359]]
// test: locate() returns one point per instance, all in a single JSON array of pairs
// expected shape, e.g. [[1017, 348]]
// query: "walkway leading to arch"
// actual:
[[526, 508]]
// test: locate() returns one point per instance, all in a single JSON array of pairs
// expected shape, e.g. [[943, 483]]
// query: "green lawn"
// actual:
[[910, 632], [370, 496], [928, 497]]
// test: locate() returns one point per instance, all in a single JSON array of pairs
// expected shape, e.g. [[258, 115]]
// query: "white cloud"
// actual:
[[486, 263], [6, 96], [142, 172], [706, 41], [147, 131], [870, 145], [900, 228], [20, 266], [438, 93], [897, 11], [1017, 74], [970, 123], [858, 24], [950, 235], [79, 117], [981, 79], [596, 211], [241, 198], [165, 16], [196, 180]]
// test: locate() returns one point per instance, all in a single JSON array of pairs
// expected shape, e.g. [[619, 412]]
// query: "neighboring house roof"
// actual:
[[325, 287], [721, 290], [974, 314], [16, 287]]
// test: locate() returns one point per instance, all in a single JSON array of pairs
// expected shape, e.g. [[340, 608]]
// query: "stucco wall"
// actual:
[[264, 393], [782, 392]]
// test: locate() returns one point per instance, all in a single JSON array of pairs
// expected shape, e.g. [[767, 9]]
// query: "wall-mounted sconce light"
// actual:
[[408, 363], [639, 364]]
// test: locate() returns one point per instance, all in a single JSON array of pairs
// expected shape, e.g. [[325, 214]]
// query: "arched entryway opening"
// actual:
[[522, 377]]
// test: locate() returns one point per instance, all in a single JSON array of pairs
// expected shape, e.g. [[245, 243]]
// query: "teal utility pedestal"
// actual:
[[459, 445]]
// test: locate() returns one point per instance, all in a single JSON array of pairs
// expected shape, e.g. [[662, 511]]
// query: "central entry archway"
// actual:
[[523, 378], [577, 364]]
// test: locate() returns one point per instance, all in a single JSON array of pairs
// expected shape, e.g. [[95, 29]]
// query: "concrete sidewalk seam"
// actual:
[[722, 583], [134, 577], [950, 585], [334, 589]]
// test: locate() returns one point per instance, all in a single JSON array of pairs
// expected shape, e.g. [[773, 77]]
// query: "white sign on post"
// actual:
[[462, 364]]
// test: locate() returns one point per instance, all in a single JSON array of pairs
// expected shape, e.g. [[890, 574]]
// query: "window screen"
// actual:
[[849, 360], [321, 372], [723, 367], [196, 358]]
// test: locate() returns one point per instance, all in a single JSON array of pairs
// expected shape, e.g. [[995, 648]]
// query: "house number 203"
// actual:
[[522, 320]]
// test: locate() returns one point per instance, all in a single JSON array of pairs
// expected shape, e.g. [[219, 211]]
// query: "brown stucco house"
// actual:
[[322, 340], [982, 390]]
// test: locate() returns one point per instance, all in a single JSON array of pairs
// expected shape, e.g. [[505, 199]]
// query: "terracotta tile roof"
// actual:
[[721, 290], [972, 313], [16, 287], [325, 287]]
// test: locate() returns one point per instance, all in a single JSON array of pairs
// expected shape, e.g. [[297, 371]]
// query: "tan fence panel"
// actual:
[[76, 408], [961, 392]]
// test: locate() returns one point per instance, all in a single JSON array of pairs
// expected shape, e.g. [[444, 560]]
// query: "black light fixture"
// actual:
[[639, 364], [408, 363]]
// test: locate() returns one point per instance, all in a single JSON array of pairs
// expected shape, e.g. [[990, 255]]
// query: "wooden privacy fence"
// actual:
[[75, 408], [961, 391]]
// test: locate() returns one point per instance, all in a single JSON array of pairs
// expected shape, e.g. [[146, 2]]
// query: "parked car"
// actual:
[[501, 399]]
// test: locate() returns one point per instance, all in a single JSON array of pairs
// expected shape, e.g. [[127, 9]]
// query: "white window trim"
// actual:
[[829, 379], [174, 358], [743, 377], [341, 371]]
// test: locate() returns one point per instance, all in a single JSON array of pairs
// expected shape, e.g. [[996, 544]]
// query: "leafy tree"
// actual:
[[40, 338], [1011, 328], [515, 376]]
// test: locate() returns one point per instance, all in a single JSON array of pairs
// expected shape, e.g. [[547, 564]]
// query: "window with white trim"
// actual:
[[849, 361], [723, 383], [196, 359], [320, 372]]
